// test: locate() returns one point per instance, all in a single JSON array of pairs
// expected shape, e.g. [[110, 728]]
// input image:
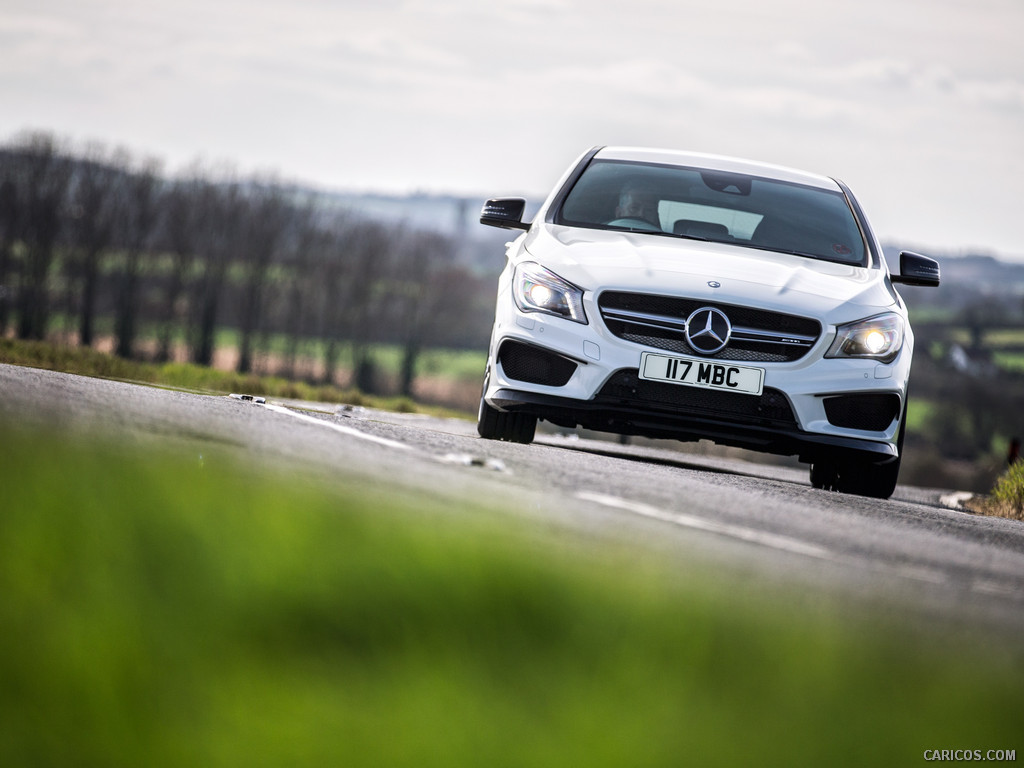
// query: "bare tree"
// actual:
[[263, 227], [207, 251], [334, 286], [222, 209], [367, 248], [181, 218], [139, 220], [41, 181], [9, 232], [94, 208], [424, 290], [302, 251]]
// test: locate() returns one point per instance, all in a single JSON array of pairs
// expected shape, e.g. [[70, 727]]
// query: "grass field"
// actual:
[[995, 338], [1005, 344], [919, 413], [90, 362], [1009, 361], [162, 611]]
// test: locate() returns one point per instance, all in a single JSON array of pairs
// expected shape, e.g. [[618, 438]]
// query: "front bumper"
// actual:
[[625, 417], [595, 386]]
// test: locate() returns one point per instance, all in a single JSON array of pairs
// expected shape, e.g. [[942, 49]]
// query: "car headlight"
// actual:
[[539, 290], [877, 338]]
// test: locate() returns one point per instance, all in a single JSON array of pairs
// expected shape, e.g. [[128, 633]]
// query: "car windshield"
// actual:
[[703, 204]]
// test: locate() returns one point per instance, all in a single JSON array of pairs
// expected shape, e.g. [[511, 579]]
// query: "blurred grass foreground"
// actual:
[[162, 611]]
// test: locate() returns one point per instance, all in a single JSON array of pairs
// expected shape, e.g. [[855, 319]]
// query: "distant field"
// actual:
[[454, 368], [175, 610], [91, 362], [430, 362], [930, 314], [997, 338], [1010, 361], [1005, 337], [919, 413], [1005, 344], [454, 365]]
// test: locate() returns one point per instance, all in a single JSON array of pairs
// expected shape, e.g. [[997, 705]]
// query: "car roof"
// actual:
[[716, 163]]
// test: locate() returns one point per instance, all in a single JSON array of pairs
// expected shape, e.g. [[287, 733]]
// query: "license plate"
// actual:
[[692, 372]]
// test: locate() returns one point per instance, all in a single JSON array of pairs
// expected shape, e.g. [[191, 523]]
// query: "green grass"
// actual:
[[449, 363], [1005, 337], [163, 611], [930, 314], [1009, 361], [994, 338], [920, 412], [454, 363], [89, 362], [1009, 490]]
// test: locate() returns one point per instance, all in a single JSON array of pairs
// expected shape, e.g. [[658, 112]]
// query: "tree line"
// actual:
[[98, 236]]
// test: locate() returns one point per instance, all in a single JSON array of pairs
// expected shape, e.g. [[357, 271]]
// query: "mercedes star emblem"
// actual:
[[708, 330]]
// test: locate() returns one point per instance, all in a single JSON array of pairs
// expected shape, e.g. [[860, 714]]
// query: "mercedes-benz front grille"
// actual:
[[758, 335]]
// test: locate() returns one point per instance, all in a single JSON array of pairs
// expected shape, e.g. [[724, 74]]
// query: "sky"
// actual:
[[918, 105]]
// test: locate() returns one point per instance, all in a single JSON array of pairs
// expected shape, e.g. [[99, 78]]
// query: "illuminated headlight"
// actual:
[[877, 338], [538, 290]]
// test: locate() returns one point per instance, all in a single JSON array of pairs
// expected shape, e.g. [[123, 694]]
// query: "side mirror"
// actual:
[[916, 269], [506, 213]]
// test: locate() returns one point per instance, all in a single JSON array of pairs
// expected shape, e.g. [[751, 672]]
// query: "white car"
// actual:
[[689, 296]]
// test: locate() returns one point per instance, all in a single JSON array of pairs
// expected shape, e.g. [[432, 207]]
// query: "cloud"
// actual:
[[348, 92]]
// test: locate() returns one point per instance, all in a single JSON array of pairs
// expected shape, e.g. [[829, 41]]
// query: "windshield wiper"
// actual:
[[663, 233], [802, 254]]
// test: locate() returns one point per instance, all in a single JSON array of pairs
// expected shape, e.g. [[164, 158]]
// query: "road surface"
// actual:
[[763, 526]]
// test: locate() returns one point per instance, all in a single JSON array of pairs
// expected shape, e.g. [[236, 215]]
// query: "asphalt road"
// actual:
[[764, 527]]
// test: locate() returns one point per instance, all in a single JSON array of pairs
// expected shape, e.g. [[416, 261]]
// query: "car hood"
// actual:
[[597, 260]]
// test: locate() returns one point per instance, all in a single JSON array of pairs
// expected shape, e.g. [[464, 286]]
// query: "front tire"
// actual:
[[492, 424], [862, 478], [877, 481], [823, 475]]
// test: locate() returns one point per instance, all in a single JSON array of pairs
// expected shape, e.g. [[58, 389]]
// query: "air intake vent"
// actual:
[[872, 413], [534, 365]]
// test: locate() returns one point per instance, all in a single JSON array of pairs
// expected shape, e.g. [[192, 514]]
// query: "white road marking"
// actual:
[[338, 427], [955, 500], [988, 587], [784, 543], [466, 460], [774, 541], [920, 573]]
